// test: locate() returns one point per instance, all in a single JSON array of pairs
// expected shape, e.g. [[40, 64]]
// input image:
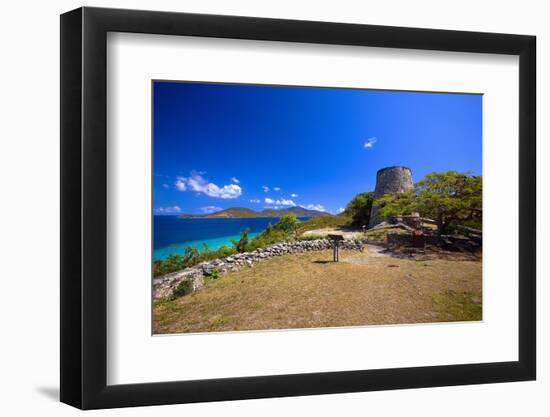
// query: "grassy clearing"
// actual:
[[458, 306], [321, 222], [307, 290]]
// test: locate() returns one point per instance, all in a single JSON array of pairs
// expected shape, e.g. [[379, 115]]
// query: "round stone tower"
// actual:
[[390, 180]]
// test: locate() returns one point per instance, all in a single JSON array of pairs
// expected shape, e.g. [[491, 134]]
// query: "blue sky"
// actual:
[[225, 145]]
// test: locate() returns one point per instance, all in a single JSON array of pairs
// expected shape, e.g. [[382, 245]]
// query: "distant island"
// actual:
[[243, 212]]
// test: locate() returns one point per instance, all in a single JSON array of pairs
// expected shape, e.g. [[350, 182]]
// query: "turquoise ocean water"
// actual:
[[171, 234]]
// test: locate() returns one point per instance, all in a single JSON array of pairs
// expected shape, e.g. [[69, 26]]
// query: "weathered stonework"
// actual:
[[396, 179], [165, 284]]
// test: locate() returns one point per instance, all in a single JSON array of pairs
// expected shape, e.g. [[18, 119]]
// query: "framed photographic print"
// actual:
[[257, 208]]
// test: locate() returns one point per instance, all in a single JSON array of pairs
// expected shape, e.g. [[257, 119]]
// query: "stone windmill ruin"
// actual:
[[396, 179]]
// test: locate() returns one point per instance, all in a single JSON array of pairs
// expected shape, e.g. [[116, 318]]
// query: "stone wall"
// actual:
[[165, 284], [390, 180], [468, 243]]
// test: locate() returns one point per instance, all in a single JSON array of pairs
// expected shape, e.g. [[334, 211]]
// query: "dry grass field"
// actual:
[[308, 290]]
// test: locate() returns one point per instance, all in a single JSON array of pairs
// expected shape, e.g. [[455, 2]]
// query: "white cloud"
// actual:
[[165, 185], [180, 184], [210, 209], [317, 207], [196, 182], [341, 209], [370, 143], [235, 180], [284, 202], [294, 195], [276, 188], [266, 188], [168, 210], [255, 200], [281, 202]]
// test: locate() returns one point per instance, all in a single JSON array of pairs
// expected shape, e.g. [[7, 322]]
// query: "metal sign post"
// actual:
[[335, 240]]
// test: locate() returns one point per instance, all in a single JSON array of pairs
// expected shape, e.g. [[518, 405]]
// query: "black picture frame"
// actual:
[[84, 207]]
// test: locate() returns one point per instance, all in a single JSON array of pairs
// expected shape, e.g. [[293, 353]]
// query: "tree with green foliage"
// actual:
[[281, 230], [450, 198], [191, 256], [176, 262], [287, 223], [359, 208], [241, 244]]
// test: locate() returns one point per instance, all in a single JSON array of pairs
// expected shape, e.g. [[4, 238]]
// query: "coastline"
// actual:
[[171, 233], [162, 253]]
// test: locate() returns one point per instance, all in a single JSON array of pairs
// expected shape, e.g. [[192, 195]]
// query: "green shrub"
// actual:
[[268, 237], [213, 274], [221, 252], [170, 264], [183, 288], [190, 258], [240, 246]]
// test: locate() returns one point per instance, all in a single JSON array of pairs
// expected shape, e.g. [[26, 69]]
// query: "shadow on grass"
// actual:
[[324, 262]]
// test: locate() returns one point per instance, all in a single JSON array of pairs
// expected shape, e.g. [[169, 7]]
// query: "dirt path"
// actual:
[[371, 252]]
